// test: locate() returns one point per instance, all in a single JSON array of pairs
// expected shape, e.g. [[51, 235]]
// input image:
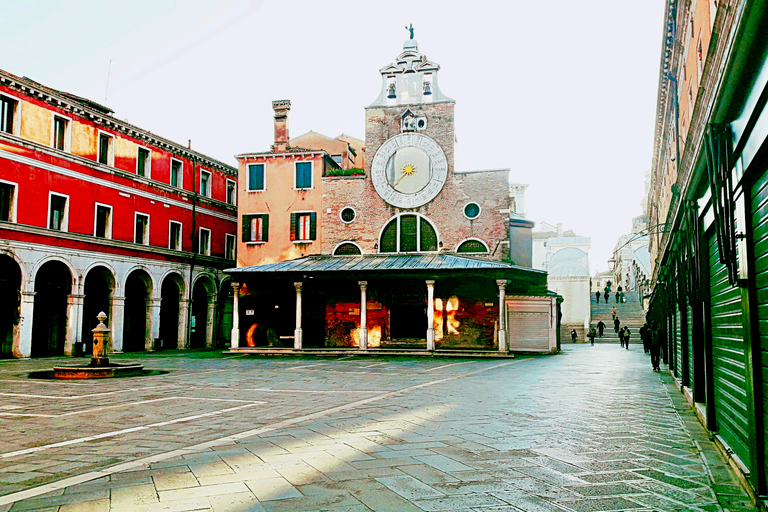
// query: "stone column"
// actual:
[[430, 314], [363, 315], [24, 348], [234, 341], [74, 323], [117, 321], [298, 332], [502, 315], [183, 336], [210, 321], [153, 319]]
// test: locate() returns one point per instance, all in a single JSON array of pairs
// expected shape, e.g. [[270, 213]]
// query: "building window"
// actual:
[[204, 242], [8, 201], [472, 211], [229, 246], [8, 114], [143, 162], [408, 233], [60, 134], [141, 229], [303, 226], [256, 228], [347, 249], [58, 206], [106, 149], [103, 221], [347, 215], [303, 175], [256, 178], [174, 235], [231, 192], [205, 183], [177, 168], [339, 159], [472, 246]]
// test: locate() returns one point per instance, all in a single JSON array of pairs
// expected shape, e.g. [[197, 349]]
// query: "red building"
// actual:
[[100, 215]]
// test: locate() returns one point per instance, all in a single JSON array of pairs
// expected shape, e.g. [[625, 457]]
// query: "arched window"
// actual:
[[475, 246], [408, 233], [347, 249]]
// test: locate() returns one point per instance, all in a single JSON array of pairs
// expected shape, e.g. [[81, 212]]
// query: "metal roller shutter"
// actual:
[[728, 358], [528, 331], [689, 315], [678, 346]]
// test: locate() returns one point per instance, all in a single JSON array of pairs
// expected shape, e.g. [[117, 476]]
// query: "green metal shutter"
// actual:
[[247, 228], [728, 359], [265, 228], [758, 208], [689, 315], [678, 345]]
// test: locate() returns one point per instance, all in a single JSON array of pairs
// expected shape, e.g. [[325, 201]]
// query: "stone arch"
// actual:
[[409, 232], [98, 290], [42, 261], [137, 320], [172, 313], [569, 262], [203, 311], [11, 276], [52, 333]]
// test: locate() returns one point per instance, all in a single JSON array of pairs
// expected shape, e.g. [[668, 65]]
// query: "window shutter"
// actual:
[[293, 226], [246, 228], [312, 226], [265, 228]]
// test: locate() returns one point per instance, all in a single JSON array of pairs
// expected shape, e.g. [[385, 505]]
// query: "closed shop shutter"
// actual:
[[678, 346], [728, 358], [689, 359], [759, 213], [528, 331]]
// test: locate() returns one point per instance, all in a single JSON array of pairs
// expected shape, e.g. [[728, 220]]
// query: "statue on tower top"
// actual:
[[410, 29]]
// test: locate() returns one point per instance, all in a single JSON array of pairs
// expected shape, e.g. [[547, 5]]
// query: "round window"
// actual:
[[472, 210], [348, 214]]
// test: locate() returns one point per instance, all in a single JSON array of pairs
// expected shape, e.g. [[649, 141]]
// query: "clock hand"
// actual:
[[405, 173]]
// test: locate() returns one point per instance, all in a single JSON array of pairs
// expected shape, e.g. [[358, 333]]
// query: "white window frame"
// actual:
[[348, 221], [207, 251], [181, 235], [135, 218], [16, 115], [110, 150], [464, 210], [473, 239], [234, 192], [108, 234], [248, 177], [256, 242], [227, 238], [181, 173], [67, 132], [307, 213], [148, 168], [311, 175], [210, 183], [14, 207], [65, 221]]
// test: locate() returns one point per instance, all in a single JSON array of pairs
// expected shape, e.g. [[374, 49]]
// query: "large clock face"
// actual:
[[409, 170]]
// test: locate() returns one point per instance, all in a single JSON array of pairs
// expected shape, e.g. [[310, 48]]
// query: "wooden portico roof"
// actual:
[[381, 265]]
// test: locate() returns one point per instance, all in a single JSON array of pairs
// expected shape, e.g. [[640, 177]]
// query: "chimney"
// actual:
[[281, 108], [559, 229]]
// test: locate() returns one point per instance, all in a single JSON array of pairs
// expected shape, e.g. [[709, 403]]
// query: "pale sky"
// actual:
[[561, 92]]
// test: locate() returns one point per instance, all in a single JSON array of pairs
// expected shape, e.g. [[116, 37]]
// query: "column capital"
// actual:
[[31, 295], [502, 283], [236, 287], [298, 286], [363, 284], [430, 283], [115, 298]]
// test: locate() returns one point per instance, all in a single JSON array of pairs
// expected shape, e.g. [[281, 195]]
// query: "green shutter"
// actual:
[[389, 237], [428, 236], [408, 226], [312, 226], [265, 228], [247, 228], [293, 226]]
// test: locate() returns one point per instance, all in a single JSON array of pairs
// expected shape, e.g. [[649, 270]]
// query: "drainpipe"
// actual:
[[194, 252]]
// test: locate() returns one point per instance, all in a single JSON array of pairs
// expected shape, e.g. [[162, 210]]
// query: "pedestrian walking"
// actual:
[[621, 337], [621, 297], [616, 324], [607, 294], [573, 335], [597, 296], [618, 294], [645, 336], [600, 328], [613, 311], [627, 336], [592, 335], [618, 289], [655, 346]]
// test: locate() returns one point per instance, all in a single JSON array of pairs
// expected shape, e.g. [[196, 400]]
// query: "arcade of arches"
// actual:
[[49, 308]]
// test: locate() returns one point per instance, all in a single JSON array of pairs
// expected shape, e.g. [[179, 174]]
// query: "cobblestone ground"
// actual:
[[591, 429]]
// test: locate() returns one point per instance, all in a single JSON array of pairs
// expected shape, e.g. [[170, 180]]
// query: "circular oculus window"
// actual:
[[347, 215], [472, 211]]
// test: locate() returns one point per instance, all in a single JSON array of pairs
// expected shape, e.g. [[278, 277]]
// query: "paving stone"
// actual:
[[458, 502], [240, 502], [87, 506], [443, 463], [600, 504], [409, 487], [267, 489]]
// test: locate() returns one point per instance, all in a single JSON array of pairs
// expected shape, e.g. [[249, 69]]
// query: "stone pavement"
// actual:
[[590, 429]]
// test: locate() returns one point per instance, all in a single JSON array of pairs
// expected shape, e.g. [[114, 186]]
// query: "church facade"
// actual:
[[382, 243]]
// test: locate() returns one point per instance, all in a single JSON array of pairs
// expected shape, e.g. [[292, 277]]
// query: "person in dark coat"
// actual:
[[616, 324], [573, 335], [600, 328], [591, 335], [621, 336], [619, 289], [606, 297], [655, 346], [645, 336], [627, 335], [597, 296], [618, 294]]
